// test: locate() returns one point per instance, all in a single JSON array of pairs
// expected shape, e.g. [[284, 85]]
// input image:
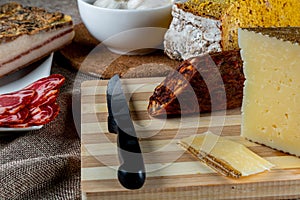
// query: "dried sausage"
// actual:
[[173, 96]]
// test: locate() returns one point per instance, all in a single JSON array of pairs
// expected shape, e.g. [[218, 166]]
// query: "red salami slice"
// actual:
[[11, 103], [32, 106], [38, 116], [51, 98], [51, 82], [43, 86], [48, 97], [17, 125], [43, 114], [19, 117]]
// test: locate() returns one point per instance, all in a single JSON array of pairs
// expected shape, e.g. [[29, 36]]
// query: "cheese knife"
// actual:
[[131, 172]]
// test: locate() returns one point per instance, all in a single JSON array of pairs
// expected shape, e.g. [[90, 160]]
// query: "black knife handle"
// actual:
[[131, 173], [112, 125]]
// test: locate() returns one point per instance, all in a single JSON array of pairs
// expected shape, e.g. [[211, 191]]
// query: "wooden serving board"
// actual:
[[171, 172]]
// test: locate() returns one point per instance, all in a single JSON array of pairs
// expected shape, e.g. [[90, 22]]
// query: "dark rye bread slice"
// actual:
[[87, 55], [217, 76], [28, 34]]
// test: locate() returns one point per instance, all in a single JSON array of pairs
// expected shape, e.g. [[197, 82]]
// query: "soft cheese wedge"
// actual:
[[225, 156], [270, 108]]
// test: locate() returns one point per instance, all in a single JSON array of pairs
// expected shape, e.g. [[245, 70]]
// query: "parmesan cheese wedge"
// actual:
[[225, 156]]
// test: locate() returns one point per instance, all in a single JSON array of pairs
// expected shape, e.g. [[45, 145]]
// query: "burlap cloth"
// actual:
[[45, 164]]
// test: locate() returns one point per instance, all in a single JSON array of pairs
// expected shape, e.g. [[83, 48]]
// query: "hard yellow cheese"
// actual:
[[225, 156], [271, 103]]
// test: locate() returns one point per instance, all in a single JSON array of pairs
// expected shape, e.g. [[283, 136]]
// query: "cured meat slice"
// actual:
[[19, 117], [43, 114], [173, 96], [34, 105], [13, 102], [38, 116], [43, 86], [45, 98], [51, 82]]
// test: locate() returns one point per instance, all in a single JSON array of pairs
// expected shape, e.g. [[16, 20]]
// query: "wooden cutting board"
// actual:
[[171, 172]]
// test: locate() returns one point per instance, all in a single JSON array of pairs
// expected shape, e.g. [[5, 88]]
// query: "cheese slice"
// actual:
[[225, 156], [271, 102]]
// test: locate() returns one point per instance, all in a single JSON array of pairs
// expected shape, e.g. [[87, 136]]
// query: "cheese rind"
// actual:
[[190, 35], [205, 26], [270, 108], [225, 156]]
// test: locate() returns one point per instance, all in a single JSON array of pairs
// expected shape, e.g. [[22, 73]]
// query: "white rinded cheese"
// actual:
[[190, 35], [271, 103]]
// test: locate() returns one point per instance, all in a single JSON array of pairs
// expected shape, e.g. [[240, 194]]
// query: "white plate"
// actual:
[[22, 78]]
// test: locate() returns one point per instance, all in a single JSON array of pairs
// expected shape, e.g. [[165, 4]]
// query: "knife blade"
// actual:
[[131, 172]]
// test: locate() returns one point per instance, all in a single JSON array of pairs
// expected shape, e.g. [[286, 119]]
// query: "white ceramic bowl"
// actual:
[[126, 31]]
